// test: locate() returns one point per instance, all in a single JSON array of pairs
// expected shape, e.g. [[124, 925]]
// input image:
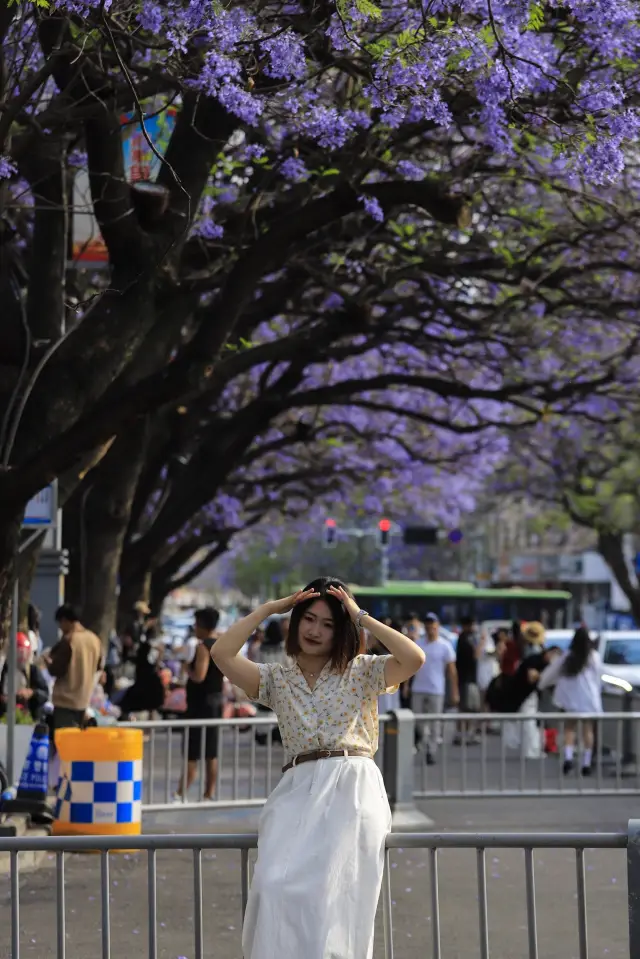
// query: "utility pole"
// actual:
[[384, 565]]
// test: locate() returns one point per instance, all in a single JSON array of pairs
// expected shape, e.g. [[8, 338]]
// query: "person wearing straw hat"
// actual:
[[524, 734]]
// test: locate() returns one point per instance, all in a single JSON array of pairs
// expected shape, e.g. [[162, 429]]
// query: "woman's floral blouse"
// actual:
[[340, 712]]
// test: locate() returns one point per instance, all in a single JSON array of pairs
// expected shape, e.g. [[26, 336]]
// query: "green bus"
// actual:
[[451, 601]]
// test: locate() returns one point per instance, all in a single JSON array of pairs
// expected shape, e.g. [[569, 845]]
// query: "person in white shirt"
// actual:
[[578, 689], [430, 683]]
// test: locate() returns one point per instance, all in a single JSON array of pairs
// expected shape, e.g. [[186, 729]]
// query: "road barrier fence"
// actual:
[[435, 843], [476, 755]]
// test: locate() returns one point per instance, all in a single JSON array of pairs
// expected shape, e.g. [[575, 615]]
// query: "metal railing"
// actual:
[[435, 843], [247, 770], [488, 766], [504, 755]]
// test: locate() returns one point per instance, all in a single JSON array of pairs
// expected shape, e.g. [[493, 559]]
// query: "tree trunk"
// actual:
[[94, 529], [26, 573], [133, 589], [611, 548], [9, 539], [160, 587]]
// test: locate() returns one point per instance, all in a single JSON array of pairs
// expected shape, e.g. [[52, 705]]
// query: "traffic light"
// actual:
[[420, 536], [64, 562], [330, 531], [385, 530]]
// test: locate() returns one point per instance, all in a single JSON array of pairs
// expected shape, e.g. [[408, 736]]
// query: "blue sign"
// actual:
[[34, 781], [42, 509]]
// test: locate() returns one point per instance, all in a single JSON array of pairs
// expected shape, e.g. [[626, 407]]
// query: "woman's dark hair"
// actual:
[[516, 633], [207, 618], [578, 654], [346, 638], [273, 635], [33, 618]]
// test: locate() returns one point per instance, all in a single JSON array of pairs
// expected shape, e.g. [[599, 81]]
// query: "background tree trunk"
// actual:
[[26, 573], [611, 548], [160, 587], [95, 526], [9, 539], [132, 589]]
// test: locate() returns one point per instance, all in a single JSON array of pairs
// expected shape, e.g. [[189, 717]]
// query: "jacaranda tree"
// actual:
[[299, 130]]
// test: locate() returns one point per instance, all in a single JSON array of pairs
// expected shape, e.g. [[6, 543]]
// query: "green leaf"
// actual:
[[536, 17], [454, 61], [365, 7], [369, 9]]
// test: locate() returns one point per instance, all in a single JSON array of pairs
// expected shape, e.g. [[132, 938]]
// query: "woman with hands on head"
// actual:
[[322, 831]]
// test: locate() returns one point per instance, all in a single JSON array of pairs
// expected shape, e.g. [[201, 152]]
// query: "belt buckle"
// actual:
[[324, 753]]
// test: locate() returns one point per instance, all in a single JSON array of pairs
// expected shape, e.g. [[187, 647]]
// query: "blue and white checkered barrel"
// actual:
[[101, 796], [94, 792]]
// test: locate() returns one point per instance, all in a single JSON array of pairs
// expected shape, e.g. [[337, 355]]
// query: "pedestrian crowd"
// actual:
[[476, 673], [512, 671]]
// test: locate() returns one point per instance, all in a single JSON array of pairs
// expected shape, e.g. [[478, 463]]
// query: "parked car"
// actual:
[[620, 653]]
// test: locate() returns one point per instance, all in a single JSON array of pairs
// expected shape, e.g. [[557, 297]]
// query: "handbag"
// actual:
[[60, 659]]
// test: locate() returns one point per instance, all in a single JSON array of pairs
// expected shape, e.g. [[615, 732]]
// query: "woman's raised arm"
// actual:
[[225, 652]]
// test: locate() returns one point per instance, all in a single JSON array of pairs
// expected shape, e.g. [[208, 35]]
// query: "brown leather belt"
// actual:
[[324, 754]]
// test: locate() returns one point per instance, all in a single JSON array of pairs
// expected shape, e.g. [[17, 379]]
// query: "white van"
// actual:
[[620, 653]]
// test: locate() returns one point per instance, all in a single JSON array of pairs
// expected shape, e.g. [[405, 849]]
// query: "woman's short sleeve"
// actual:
[[371, 670], [265, 690]]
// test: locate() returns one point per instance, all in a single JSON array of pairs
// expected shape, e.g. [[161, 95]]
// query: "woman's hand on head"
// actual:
[[349, 603], [285, 605]]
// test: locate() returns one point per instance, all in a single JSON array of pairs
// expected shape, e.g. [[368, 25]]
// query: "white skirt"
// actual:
[[317, 881]]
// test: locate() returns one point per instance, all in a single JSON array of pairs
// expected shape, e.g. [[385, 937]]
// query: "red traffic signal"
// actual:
[[385, 531], [330, 532]]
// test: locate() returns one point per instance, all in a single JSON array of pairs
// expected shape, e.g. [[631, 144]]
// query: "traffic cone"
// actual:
[[31, 798]]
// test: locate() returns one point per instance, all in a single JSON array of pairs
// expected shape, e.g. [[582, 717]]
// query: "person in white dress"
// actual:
[[322, 831], [577, 677]]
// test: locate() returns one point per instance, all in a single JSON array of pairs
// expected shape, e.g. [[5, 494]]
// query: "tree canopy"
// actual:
[[423, 210]]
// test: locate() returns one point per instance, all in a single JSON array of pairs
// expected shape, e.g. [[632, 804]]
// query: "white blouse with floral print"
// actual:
[[340, 712]]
